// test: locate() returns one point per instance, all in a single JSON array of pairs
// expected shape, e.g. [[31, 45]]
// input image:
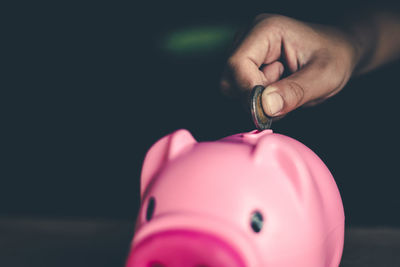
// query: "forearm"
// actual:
[[376, 39]]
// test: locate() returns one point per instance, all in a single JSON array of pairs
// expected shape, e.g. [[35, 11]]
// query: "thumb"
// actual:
[[310, 83]]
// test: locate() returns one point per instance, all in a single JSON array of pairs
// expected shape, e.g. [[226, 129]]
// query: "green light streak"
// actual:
[[200, 39]]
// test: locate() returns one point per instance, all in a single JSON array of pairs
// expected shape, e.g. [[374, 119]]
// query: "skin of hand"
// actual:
[[319, 59]]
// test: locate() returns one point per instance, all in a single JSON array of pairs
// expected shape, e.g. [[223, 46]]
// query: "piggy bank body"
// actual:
[[256, 199]]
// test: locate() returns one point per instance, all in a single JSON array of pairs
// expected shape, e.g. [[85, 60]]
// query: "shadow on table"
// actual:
[[105, 243]]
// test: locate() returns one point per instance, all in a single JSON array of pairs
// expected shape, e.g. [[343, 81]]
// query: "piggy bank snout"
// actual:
[[182, 248]]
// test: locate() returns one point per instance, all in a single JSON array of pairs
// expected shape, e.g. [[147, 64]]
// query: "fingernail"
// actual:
[[281, 69], [272, 101]]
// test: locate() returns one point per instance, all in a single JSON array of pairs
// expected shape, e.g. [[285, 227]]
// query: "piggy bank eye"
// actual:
[[151, 205], [256, 221]]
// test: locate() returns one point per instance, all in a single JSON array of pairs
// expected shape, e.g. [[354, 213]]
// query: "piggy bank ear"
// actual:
[[163, 151], [278, 151]]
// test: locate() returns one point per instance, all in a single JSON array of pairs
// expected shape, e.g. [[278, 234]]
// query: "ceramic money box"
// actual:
[[256, 199]]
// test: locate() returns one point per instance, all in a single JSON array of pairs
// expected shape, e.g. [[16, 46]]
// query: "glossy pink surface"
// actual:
[[184, 248], [205, 194]]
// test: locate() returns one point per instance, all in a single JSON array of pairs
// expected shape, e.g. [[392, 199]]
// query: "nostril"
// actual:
[[184, 248], [156, 264]]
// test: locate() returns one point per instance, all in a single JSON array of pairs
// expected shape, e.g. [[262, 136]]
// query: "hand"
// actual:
[[319, 60]]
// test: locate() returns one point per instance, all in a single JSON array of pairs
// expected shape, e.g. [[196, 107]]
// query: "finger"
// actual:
[[308, 84], [272, 72], [238, 38], [226, 83], [245, 74], [259, 47]]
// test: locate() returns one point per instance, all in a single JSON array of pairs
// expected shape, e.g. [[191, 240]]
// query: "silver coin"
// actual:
[[260, 119]]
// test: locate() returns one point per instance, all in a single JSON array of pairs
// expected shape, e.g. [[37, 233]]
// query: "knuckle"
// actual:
[[237, 74], [270, 19], [276, 18], [274, 24], [296, 93]]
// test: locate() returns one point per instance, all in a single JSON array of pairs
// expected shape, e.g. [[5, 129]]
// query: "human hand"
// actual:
[[319, 59]]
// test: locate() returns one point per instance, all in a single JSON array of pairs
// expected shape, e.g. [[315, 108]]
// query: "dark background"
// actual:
[[90, 87]]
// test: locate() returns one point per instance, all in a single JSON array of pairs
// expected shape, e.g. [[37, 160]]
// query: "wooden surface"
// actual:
[[85, 243]]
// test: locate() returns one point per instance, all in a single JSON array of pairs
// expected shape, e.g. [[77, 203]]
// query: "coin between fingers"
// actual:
[[260, 119]]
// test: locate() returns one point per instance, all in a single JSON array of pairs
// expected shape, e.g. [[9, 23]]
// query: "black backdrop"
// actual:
[[89, 89]]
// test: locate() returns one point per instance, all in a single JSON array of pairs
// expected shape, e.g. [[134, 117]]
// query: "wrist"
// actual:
[[356, 50], [363, 35]]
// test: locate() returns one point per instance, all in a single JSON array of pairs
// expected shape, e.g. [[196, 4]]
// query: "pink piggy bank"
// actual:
[[256, 199]]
